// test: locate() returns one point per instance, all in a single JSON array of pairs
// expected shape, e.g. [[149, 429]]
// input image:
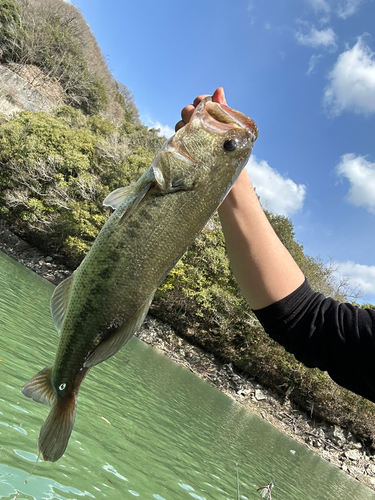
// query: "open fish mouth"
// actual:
[[220, 118], [215, 118]]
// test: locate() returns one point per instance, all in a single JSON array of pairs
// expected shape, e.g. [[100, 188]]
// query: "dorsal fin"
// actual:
[[117, 197], [59, 301], [113, 344]]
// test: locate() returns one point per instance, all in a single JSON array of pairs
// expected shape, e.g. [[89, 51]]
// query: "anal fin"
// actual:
[[39, 388], [113, 344]]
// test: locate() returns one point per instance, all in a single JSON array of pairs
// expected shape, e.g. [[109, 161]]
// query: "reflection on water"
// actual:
[[145, 426]]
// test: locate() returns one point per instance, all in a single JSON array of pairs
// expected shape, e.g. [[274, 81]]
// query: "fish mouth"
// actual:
[[217, 119], [220, 118]]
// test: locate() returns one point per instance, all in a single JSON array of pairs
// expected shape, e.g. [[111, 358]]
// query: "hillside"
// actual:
[[52, 36], [69, 135]]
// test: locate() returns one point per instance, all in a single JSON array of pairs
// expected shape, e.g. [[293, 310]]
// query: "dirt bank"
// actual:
[[332, 443]]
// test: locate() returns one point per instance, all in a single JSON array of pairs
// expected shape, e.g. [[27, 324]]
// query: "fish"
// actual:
[[104, 302]]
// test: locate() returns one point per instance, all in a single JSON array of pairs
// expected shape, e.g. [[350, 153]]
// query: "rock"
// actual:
[[319, 433], [9, 238], [259, 395], [243, 392], [353, 442], [228, 368], [370, 469], [337, 435], [48, 259], [353, 455]]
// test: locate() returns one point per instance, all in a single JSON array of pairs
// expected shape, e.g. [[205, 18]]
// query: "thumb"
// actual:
[[219, 96]]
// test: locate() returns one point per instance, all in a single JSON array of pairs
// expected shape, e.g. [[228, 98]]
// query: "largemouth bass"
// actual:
[[99, 307]]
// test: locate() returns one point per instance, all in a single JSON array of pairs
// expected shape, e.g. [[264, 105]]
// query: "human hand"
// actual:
[[218, 96]]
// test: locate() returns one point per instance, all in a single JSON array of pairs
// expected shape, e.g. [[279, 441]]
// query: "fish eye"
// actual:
[[230, 145], [62, 387]]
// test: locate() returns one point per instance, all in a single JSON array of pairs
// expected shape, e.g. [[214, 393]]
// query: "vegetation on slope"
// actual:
[[55, 170], [53, 36]]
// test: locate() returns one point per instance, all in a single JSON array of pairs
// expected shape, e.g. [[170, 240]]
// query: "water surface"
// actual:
[[146, 427]]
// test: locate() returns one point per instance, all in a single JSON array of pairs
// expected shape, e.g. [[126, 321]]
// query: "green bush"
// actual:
[[55, 171]]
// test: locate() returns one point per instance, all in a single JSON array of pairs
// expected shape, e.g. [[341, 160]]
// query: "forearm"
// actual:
[[264, 269]]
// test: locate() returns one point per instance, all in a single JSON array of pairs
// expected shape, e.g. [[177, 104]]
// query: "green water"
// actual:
[[145, 426]]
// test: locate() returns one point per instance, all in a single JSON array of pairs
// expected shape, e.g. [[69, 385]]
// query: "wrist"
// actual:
[[241, 193]]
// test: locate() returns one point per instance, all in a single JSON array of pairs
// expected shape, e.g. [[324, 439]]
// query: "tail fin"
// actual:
[[55, 432]]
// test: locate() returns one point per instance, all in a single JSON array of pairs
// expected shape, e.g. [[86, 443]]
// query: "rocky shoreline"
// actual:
[[330, 442]]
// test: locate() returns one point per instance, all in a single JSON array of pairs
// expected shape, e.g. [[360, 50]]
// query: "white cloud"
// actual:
[[342, 8], [359, 276], [361, 175], [277, 193], [347, 8], [314, 59], [318, 39], [352, 81], [320, 5], [164, 130]]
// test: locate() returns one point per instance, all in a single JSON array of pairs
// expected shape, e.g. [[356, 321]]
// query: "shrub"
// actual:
[[55, 171]]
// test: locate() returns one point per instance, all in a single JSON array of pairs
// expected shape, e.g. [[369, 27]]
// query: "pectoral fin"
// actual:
[[137, 200], [113, 344], [118, 196], [59, 301]]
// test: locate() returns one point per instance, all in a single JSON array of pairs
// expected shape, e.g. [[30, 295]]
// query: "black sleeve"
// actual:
[[323, 333]]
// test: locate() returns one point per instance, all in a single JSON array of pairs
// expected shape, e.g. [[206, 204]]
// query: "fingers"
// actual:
[[185, 115], [219, 96], [187, 112], [179, 125], [198, 99]]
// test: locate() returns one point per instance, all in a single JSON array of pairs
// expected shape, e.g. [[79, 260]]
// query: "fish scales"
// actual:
[[104, 302]]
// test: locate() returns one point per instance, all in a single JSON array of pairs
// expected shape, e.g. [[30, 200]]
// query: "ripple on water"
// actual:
[[35, 487], [19, 408], [186, 487], [171, 435], [110, 468], [30, 457]]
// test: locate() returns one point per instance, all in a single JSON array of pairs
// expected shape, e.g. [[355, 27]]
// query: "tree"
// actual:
[[129, 102]]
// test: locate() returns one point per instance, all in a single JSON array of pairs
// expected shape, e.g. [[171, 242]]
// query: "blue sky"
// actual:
[[304, 70]]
